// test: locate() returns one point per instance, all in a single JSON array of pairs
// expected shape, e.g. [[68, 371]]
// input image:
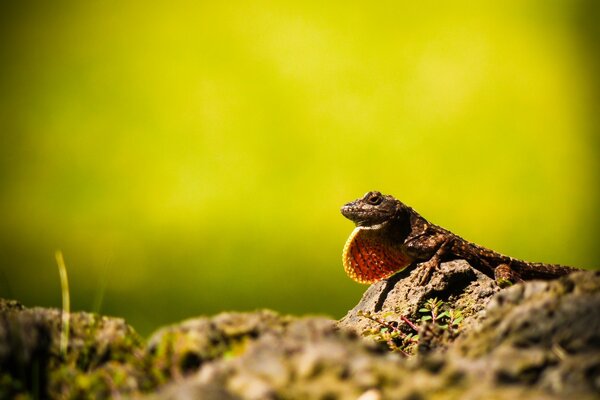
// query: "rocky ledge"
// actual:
[[459, 336]]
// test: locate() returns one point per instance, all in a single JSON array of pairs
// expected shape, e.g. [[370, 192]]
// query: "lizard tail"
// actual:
[[533, 270]]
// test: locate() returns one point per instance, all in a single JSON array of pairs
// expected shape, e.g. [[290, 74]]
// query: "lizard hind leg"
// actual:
[[506, 276]]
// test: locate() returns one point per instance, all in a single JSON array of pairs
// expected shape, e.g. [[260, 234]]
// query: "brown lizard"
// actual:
[[390, 236]]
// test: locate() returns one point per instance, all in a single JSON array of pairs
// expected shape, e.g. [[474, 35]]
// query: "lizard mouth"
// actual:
[[361, 217]]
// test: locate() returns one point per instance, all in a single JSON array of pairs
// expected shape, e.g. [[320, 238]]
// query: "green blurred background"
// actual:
[[191, 157]]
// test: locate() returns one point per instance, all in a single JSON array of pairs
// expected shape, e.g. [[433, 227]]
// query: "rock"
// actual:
[[534, 340], [181, 349], [544, 335], [103, 354], [309, 358], [25, 351], [507, 350], [456, 283], [541, 336]]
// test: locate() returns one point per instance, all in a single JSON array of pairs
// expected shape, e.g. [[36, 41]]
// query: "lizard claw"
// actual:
[[424, 271]]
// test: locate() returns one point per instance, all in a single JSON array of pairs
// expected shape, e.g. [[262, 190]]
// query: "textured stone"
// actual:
[[534, 340]]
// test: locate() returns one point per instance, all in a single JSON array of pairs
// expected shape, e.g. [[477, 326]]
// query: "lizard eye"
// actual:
[[375, 199]]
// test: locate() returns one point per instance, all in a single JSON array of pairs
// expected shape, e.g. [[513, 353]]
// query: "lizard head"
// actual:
[[371, 210]]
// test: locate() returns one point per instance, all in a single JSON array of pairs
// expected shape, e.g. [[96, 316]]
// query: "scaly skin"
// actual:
[[390, 236]]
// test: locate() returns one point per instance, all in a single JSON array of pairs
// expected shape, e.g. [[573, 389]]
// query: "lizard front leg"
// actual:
[[426, 268], [422, 246]]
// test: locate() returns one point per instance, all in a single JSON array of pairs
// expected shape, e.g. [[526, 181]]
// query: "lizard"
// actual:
[[390, 236]]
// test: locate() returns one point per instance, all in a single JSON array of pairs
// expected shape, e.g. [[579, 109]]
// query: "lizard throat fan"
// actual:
[[368, 257]]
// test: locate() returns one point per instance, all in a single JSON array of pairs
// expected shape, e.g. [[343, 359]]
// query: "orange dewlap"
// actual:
[[368, 257]]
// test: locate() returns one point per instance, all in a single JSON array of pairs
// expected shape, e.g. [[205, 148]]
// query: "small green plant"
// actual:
[[401, 334], [437, 312], [66, 302], [390, 332], [454, 318], [431, 307]]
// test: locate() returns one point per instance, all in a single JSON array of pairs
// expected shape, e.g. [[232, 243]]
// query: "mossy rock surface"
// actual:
[[104, 355], [532, 340]]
